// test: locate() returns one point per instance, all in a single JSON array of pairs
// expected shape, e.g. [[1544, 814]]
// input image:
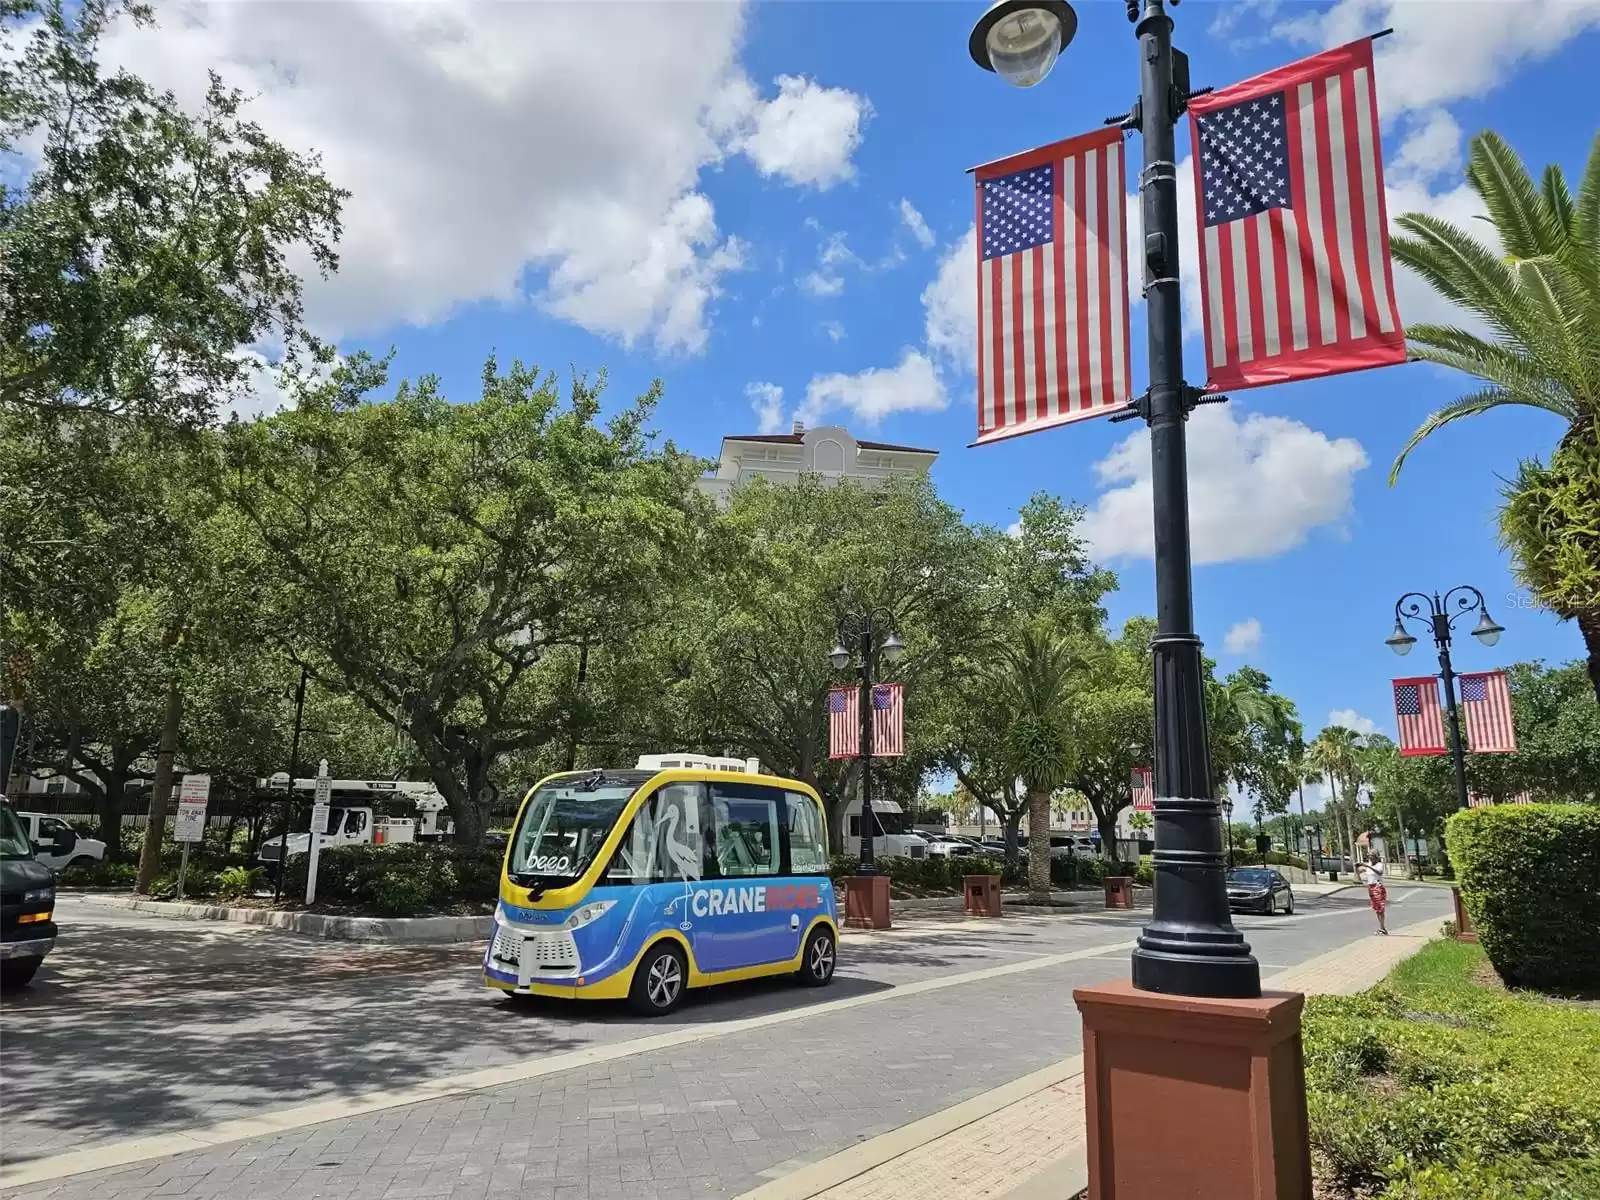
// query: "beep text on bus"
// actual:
[[682, 872]]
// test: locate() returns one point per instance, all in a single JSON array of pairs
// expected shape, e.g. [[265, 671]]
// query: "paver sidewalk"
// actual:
[[1032, 1145]]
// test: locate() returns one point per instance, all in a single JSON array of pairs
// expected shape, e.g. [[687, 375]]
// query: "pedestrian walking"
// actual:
[[1371, 873]]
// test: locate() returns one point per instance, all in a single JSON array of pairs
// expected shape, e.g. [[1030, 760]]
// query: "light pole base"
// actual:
[[1210, 1095], [1234, 976], [866, 901]]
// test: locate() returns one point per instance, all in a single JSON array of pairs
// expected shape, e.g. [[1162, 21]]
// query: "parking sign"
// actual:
[[193, 796]]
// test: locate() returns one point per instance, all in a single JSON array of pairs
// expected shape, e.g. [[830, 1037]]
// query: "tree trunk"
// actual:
[[1012, 820], [161, 789], [108, 813], [1039, 846], [1589, 627], [1108, 833]]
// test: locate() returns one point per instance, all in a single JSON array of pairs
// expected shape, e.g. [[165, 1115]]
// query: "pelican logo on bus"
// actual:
[[719, 902]]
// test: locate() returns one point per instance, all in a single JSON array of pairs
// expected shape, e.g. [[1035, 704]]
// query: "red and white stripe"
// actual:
[[889, 722], [844, 723], [1142, 785], [1424, 732], [1296, 293], [1490, 729], [1053, 343]]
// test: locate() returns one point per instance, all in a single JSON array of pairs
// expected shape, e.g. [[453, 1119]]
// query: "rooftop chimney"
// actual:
[[799, 428]]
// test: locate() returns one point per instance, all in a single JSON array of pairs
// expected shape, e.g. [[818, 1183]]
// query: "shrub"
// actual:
[[1432, 1088], [236, 882], [405, 880], [1527, 876], [99, 874]]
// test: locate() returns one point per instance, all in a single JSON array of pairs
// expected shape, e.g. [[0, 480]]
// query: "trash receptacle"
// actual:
[[1119, 891], [983, 895]]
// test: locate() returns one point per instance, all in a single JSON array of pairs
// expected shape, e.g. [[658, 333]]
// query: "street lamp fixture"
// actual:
[[863, 632], [1190, 947], [1487, 630], [1020, 40], [1400, 641], [1440, 614], [893, 649]]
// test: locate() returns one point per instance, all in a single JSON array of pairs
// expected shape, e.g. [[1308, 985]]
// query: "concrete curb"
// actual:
[[416, 930]]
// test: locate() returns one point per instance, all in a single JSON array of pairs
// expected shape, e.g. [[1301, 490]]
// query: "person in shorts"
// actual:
[[1371, 873]]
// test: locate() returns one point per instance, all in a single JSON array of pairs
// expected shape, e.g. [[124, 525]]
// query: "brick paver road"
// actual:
[[143, 1028]]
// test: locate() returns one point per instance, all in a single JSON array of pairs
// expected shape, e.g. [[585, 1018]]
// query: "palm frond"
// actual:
[[1498, 175], [1586, 209], [1466, 406], [1504, 365], [1462, 269], [1557, 199]]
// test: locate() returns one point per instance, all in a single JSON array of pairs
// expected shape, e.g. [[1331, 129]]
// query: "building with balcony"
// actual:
[[831, 452]]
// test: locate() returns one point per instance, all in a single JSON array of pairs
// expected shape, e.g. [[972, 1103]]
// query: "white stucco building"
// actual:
[[830, 451]]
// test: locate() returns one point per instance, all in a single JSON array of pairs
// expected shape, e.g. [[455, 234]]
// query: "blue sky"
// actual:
[[775, 195]]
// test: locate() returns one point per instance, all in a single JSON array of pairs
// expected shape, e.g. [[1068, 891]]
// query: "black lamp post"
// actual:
[[288, 798], [863, 632], [1441, 613], [1190, 947]]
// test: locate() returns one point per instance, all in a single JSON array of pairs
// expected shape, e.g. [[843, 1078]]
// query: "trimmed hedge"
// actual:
[[1530, 878], [1431, 1087], [405, 880]]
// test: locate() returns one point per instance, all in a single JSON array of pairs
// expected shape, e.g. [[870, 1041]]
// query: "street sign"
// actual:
[[193, 795], [319, 801]]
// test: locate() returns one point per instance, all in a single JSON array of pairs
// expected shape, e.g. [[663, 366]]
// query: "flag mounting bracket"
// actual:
[[1139, 406]]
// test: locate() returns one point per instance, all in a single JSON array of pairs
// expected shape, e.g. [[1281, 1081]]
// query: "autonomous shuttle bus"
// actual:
[[681, 872]]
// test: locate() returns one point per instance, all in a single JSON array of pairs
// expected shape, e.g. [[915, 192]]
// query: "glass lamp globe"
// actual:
[[1020, 40]]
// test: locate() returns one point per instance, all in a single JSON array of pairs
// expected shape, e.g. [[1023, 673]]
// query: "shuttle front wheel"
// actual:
[[660, 980], [820, 957]]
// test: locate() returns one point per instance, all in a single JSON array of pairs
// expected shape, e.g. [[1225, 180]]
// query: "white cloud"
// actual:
[[1244, 637], [1258, 486], [492, 156], [815, 283], [833, 254], [805, 135], [1349, 718], [834, 330], [766, 401], [913, 220], [871, 395], [950, 304], [1439, 54]]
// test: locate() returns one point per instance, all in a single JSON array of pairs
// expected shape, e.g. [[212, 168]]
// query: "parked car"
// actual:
[[1259, 889], [27, 898], [43, 830]]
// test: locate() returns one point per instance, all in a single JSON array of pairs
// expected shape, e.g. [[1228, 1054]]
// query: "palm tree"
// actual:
[[1541, 302], [1036, 671], [1333, 752]]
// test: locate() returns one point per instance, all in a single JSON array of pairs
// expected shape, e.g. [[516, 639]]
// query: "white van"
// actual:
[[897, 836]]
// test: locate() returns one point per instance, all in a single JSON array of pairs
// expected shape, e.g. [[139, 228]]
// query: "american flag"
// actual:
[[888, 720], [1142, 785], [1052, 287], [1295, 274], [844, 722], [1486, 704], [1416, 711]]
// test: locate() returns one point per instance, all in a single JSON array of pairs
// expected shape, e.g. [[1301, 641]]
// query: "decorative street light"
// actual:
[[288, 779], [863, 632], [1441, 613], [1190, 947]]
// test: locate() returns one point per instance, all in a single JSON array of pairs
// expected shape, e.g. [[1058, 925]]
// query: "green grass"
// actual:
[[1432, 1086]]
